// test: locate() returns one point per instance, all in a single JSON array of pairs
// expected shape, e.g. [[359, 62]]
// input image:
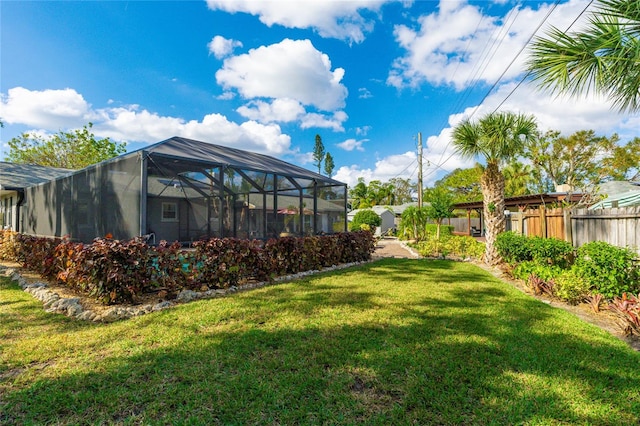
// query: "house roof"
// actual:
[[623, 199], [379, 210], [16, 177]]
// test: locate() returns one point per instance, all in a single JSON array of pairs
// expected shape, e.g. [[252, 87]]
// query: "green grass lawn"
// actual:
[[392, 342]]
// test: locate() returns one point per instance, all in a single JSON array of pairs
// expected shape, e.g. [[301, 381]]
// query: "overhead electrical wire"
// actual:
[[502, 75]]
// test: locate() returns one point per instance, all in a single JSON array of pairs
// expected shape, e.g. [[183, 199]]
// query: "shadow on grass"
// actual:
[[465, 354]]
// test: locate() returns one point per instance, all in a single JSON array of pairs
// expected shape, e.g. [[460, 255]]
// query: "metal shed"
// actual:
[[185, 190]]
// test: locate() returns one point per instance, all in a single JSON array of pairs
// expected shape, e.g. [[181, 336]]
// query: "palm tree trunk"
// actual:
[[492, 182]]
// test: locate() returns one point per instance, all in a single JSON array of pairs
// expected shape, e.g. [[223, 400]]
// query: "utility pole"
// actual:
[[419, 170]]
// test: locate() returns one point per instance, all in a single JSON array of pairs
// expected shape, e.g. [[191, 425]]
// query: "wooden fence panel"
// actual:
[[616, 226]]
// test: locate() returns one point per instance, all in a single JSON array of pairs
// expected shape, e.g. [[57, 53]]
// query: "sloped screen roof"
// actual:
[[182, 148], [19, 176]]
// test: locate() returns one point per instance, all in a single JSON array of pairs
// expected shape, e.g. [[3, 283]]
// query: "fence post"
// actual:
[[566, 219], [543, 221]]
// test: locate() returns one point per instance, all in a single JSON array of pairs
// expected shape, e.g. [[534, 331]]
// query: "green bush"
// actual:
[[367, 217], [609, 270], [513, 247], [571, 287], [543, 271], [431, 230], [551, 251], [450, 245]]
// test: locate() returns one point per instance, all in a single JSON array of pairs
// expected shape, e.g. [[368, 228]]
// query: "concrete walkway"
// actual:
[[392, 247]]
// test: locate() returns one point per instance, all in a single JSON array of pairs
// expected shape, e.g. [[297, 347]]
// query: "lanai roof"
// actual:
[[193, 150]]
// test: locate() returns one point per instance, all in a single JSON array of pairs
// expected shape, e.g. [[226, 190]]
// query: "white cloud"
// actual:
[[145, 126], [364, 93], [344, 20], [282, 110], [291, 69], [352, 144], [222, 47], [459, 46], [333, 121], [55, 110], [49, 109], [363, 131]]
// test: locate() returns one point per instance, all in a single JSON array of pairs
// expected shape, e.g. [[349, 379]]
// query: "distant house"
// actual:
[[386, 215], [184, 190], [618, 194], [14, 179]]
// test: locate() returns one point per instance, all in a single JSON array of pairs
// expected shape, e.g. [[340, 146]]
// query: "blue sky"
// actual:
[[267, 76]]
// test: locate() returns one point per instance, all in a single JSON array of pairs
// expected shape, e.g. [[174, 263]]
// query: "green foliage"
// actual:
[[609, 270], [601, 57], [551, 251], [545, 272], [367, 217], [329, 164], [464, 184], [413, 223], [431, 230], [440, 206], [71, 150], [580, 160], [513, 247], [318, 153], [571, 287], [450, 245]]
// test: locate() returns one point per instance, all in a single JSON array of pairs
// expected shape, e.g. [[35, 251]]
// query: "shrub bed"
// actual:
[[450, 245], [595, 272], [116, 271]]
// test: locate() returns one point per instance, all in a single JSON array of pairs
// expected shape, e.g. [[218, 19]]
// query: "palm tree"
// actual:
[[603, 57], [498, 137]]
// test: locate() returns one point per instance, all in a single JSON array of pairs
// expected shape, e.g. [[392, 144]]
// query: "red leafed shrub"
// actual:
[[171, 267], [627, 309], [37, 254], [117, 271], [114, 271], [224, 262], [356, 246], [284, 255]]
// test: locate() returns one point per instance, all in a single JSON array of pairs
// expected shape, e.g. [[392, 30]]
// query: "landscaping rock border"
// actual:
[[72, 307]]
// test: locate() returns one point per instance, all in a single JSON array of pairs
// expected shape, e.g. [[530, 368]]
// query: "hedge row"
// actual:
[[116, 271]]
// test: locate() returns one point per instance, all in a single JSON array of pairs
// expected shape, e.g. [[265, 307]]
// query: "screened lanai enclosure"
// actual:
[[186, 190]]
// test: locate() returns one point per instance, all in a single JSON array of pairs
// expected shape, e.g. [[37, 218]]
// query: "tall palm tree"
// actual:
[[498, 137], [604, 57]]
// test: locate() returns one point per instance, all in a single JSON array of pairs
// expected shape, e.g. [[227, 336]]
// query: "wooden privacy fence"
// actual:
[[616, 226]]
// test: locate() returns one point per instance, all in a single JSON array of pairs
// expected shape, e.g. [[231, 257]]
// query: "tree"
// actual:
[[624, 162], [602, 57], [413, 223], [518, 179], [328, 164], [69, 150], [403, 190], [440, 206], [358, 195], [498, 137], [463, 183], [318, 153], [581, 160]]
